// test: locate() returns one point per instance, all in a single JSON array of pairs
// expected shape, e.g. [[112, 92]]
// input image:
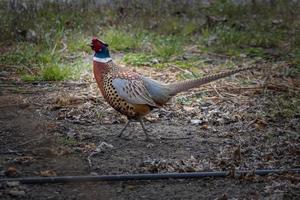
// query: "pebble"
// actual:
[[150, 145], [94, 174], [16, 193], [196, 121], [13, 183]]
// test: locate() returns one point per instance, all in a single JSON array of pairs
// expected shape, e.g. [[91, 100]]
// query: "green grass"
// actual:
[[53, 45], [55, 72], [165, 47], [229, 40], [68, 141], [286, 106], [122, 40], [157, 50], [139, 59]]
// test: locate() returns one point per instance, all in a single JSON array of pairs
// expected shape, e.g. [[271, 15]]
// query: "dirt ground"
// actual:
[[66, 128]]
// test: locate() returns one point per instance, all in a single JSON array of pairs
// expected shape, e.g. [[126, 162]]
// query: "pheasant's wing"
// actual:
[[159, 92], [133, 90]]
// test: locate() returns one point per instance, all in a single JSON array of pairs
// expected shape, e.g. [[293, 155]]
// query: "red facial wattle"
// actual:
[[96, 45]]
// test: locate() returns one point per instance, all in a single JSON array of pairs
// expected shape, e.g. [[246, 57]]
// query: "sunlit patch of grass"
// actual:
[[121, 40], [155, 36], [188, 63], [55, 72], [43, 62], [78, 43], [165, 47], [22, 54], [60, 71], [139, 59], [229, 40], [51, 72]]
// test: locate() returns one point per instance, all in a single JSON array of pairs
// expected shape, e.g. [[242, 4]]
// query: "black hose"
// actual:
[[135, 177]]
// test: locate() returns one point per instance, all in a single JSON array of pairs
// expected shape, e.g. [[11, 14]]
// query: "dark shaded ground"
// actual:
[[51, 129]]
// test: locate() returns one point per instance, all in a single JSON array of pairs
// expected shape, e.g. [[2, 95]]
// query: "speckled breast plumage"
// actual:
[[104, 80]]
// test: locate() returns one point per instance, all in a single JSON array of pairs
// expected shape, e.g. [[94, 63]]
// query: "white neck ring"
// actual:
[[102, 60]]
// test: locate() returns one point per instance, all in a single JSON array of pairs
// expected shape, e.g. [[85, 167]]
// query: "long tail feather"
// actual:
[[178, 87]]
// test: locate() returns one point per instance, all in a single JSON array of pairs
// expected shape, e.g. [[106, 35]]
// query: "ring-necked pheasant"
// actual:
[[133, 94]]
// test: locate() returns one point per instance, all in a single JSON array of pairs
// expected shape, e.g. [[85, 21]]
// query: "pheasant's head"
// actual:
[[97, 45], [101, 50]]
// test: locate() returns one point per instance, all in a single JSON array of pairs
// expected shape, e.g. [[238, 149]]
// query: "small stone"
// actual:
[[94, 174], [196, 121], [4, 73], [13, 183], [150, 145], [154, 61], [188, 108], [48, 173]]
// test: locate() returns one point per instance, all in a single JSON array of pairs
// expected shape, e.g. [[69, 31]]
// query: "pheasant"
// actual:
[[133, 94]]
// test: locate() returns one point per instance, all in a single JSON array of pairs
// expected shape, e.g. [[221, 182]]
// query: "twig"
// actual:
[[53, 50], [215, 89], [29, 141], [251, 123], [64, 48]]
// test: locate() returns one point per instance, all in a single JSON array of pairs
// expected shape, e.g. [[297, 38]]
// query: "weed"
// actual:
[[165, 47], [44, 40], [184, 100], [188, 63], [78, 43], [287, 106], [138, 59], [121, 40], [55, 72], [29, 78], [67, 141]]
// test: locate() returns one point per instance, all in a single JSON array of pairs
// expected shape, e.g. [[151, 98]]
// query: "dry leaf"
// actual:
[[48, 173], [205, 127], [11, 171], [188, 108], [260, 124]]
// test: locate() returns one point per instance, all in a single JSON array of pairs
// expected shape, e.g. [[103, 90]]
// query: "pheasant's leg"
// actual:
[[144, 129], [127, 123]]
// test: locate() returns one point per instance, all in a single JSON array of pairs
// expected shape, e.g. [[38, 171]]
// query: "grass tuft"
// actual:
[[121, 40], [55, 72], [165, 47], [139, 59], [39, 39]]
